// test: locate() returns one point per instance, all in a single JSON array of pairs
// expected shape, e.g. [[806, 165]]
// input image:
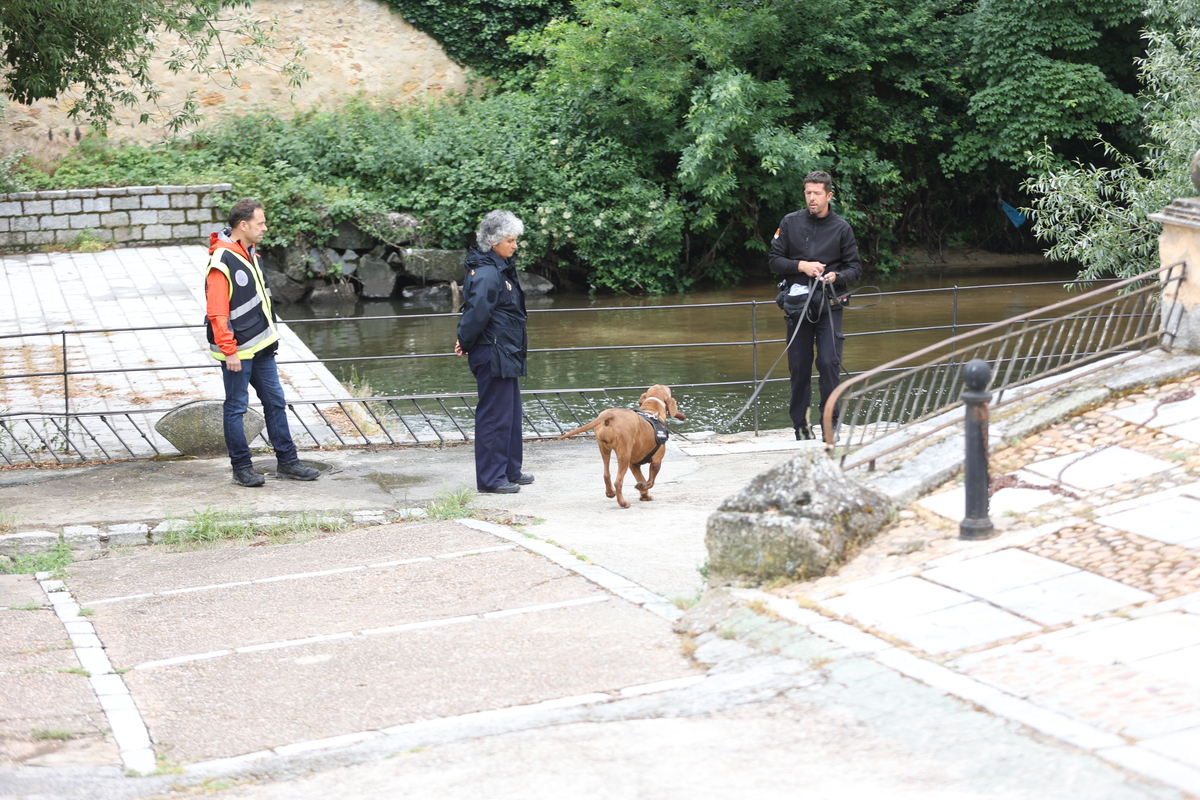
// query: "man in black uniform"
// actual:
[[813, 247]]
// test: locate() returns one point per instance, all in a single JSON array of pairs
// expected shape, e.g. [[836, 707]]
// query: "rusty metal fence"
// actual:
[[897, 403]]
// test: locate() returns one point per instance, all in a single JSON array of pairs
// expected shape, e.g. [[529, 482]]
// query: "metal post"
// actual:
[[754, 354], [977, 524], [954, 321], [66, 389]]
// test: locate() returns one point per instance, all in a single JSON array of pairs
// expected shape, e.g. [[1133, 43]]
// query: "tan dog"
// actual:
[[632, 437]]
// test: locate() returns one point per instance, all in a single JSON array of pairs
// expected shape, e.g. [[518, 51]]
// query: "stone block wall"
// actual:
[[129, 215]]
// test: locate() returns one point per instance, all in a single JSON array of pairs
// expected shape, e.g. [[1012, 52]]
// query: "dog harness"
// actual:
[[660, 435]]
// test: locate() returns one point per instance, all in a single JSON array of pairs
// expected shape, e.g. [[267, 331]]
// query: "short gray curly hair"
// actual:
[[497, 226]]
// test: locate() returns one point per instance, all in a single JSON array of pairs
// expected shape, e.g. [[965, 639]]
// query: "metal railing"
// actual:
[[890, 407], [78, 434]]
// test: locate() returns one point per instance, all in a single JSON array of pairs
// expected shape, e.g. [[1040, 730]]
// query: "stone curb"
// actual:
[[124, 720], [136, 534]]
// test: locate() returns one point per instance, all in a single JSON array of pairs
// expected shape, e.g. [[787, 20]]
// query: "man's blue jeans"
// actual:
[[261, 373]]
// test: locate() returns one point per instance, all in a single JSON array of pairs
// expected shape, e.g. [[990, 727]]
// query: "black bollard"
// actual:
[[977, 524]]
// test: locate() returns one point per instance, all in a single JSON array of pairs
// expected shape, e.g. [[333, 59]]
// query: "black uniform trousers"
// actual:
[[826, 335], [498, 444]]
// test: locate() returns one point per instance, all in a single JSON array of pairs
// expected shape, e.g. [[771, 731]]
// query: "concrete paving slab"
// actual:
[[161, 627], [952, 504], [1100, 468], [1183, 746], [1132, 641], [227, 707], [993, 573], [1069, 597], [895, 600], [142, 571], [1181, 665], [958, 627], [1189, 431], [1174, 520], [1157, 414]]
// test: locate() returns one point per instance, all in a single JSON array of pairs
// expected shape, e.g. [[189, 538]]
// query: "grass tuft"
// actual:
[[215, 525], [55, 734], [54, 561], [30, 606], [451, 505]]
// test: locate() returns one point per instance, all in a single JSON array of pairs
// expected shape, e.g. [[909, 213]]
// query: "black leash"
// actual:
[[828, 296]]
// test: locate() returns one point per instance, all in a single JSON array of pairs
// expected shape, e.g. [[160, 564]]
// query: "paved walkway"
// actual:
[[1084, 614], [536, 651], [129, 288]]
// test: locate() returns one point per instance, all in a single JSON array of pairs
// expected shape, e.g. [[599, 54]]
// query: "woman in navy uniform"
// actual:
[[491, 333]]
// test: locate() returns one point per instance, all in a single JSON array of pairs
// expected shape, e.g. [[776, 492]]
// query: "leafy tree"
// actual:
[[103, 50], [1056, 70], [736, 102], [476, 32], [1097, 215]]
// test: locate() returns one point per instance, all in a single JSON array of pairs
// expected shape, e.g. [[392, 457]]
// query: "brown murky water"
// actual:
[[911, 313]]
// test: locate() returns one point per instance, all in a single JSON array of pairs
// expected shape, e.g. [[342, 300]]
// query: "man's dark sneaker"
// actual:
[[803, 432], [507, 488], [525, 479], [295, 471], [248, 477]]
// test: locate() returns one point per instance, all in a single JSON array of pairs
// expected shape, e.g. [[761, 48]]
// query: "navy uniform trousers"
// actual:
[[498, 444]]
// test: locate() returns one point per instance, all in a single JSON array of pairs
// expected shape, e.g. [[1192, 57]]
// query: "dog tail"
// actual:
[[603, 418]]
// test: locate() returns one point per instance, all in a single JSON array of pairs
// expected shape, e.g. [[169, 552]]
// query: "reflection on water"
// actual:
[[873, 336]]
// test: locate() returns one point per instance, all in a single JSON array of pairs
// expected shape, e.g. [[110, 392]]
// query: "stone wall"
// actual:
[[130, 215], [353, 47]]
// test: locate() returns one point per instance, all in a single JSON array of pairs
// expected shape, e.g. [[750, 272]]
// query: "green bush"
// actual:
[[586, 203]]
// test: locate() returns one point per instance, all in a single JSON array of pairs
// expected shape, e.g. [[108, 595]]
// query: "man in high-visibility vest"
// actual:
[[242, 333]]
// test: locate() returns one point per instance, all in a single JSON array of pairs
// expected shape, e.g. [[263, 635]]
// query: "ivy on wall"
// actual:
[[475, 32]]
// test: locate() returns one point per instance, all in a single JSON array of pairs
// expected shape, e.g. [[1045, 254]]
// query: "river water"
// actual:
[[908, 316]]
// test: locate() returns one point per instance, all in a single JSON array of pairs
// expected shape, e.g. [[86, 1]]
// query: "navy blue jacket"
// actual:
[[494, 312]]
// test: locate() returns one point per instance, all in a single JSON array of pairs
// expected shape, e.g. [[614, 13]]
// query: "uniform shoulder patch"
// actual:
[[776, 233]]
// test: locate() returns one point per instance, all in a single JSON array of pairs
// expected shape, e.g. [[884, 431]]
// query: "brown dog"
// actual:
[[633, 438]]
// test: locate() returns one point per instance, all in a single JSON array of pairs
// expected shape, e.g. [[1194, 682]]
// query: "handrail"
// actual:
[[1029, 347]]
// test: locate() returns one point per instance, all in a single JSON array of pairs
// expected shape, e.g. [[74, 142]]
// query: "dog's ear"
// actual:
[[642, 399], [674, 409]]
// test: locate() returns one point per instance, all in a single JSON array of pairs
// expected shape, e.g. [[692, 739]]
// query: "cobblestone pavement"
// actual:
[[1087, 603]]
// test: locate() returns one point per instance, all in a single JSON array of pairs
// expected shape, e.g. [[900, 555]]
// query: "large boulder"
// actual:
[[795, 521], [433, 266], [377, 277], [535, 285], [198, 428], [348, 236], [284, 290], [334, 294]]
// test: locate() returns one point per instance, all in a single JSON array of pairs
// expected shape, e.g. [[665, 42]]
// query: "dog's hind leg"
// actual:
[[622, 466], [605, 452]]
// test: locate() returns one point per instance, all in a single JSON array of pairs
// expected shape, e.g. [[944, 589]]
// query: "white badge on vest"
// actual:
[[241, 277], [508, 286]]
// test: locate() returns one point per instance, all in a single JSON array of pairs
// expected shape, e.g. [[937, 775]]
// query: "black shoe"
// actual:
[[803, 433], [525, 479], [248, 477], [506, 488], [295, 471]]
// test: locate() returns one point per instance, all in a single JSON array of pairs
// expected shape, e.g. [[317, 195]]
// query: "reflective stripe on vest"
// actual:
[[251, 300]]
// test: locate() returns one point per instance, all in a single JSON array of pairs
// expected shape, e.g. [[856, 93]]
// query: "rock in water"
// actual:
[[797, 521], [198, 428]]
